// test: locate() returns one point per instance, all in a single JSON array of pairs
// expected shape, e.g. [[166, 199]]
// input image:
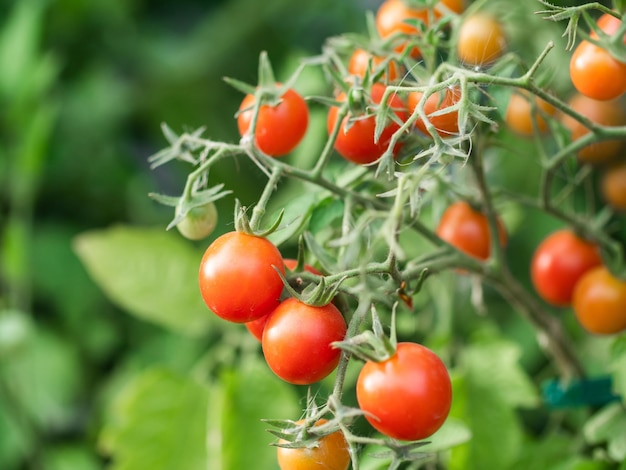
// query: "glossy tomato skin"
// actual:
[[279, 129], [256, 327], [407, 396], [356, 141], [613, 186], [362, 61], [607, 113], [330, 452], [521, 118], [237, 279], [481, 40], [468, 230], [599, 302], [559, 262], [297, 341], [596, 73], [446, 124]]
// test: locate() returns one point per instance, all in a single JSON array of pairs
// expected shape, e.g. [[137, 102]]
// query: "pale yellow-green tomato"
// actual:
[[199, 222]]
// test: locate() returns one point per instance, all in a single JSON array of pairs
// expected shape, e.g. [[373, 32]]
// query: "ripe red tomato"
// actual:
[[613, 185], [391, 19], [521, 118], [407, 396], [468, 230], [279, 129], [607, 113], [199, 222], [359, 63], [447, 124], [237, 279], [599, 302], [256, 327], [559, 262], [330, 452], [297, 341], [356, 141], [596, 73]]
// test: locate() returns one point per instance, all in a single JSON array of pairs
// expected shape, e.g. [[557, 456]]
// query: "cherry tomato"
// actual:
[[237, 278], [607, 113], [446, 124], [481, 40], [559, 262], [613, 185], [355, 140], [521, 118], [599, 302], [280, 128], [456, 6], [407, 396], [199, 222], [297, 341], [468, 230], [596, 73], [359, 63], [256, 327], [330, 452], [391, 18]]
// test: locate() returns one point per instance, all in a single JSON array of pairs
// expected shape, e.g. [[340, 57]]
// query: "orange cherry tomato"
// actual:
[[468, 230], [391, 19], [456, 6], [330, 452], [446, 124], [481, 40], [361, 60], [596, 73], [613, 185], [607, 113], [599, 302], [525, 118]]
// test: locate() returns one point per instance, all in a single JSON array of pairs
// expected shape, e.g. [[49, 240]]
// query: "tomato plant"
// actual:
[[356, 137], [280, 126], [481, 40], [599, 302], [238, 278], [446, 120], [559, 262], [362, 61], [297, 341], [468, 230], [406, 396], [329, 452]]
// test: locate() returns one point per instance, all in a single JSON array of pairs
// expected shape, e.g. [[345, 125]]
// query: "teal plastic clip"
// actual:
[[596, 391]]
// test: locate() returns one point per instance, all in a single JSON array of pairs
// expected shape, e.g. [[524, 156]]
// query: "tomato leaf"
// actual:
[[149, 272], [159, 421]]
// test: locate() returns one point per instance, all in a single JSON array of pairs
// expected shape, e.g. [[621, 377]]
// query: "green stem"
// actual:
[[259, 208]]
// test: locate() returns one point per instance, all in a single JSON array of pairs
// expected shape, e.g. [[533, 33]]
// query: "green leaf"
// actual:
[[252, 393], [617, 365], [295, 217], [149, 272], [73, 457], [159, 421], [609, 425], [325, 213], [453, 433]]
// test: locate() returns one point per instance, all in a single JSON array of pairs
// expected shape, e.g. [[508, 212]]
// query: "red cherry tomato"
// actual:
[[330, 452], [407, 396], [297, 341], [599, 302], [559, 262], [237, 277], [355, 141], [279, 129], [468, 230], [256, 327], [446, 124]]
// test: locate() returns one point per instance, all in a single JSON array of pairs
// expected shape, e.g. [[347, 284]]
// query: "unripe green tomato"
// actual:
[[199, 222]]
